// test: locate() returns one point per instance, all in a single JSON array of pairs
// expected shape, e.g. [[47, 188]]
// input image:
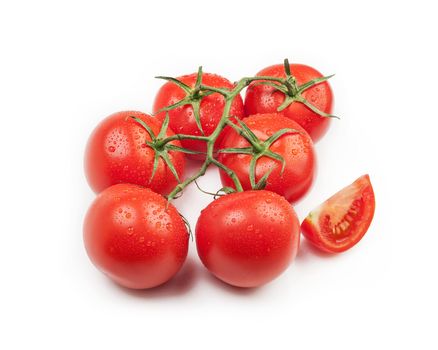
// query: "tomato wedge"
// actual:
[[342, 220]]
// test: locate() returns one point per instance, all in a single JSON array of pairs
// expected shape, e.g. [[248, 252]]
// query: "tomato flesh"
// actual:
[[341, 221]]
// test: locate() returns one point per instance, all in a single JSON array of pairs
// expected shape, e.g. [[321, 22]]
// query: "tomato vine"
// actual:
[[161, 145]]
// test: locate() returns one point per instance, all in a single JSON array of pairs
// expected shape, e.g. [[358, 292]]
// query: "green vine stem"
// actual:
[[258, 148]]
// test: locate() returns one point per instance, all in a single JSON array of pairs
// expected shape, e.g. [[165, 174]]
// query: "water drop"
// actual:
[[111, 149]]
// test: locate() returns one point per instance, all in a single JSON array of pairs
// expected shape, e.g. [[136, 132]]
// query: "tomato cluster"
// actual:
[[263, 149]]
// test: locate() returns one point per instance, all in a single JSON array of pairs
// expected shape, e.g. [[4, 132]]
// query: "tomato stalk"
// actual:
[[258, 148]]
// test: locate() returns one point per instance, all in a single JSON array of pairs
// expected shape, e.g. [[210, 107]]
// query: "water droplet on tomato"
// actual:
[[250, 227], [128, 215], [233, 220], [169, 226], [130, 230], [111, 149], [143, 145], [158, 224]]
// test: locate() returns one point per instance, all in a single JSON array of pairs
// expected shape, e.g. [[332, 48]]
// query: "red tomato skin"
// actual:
[[132, 238], [116, 153], [265, 99], [182, 119], [311, 226], [296, 149], [247, 239]]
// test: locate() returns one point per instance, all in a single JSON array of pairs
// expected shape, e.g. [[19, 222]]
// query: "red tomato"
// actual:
[[341, 221], [182, 119], [248, 238], [266, 99], [117, 153], [135, 236], [295, 148]]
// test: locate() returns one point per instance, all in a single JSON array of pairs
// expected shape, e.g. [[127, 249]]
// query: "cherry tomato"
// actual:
[[295, 148], [342, 220], [248, 238], [182, 119], [135, 237], [117, 153], [266, 99]]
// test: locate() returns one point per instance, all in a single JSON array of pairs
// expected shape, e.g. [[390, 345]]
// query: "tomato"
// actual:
[[182, 119], [248, 238], [341, 221], [266, 99], [117, 153], [295, 148], [135, 236]]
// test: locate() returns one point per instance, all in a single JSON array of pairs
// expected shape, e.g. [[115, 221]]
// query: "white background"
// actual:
[[66, 65]]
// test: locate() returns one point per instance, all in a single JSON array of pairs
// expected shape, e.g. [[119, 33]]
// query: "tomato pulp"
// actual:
[[341, 221]]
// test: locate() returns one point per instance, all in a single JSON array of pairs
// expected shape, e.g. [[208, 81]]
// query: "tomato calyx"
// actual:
[[193, 97], [161, 146], [258, 149], [293, 92]]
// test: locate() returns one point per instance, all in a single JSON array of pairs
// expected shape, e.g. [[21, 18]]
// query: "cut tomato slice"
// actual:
[[342, 220]]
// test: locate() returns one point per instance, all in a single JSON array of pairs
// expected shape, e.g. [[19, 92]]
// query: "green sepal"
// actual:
[[155, 166], [278, 157], [314, 109], [169, 164], [287, 101], [313, 82], [178, 104], [274, 137], [274, 85], [177, 82], [164, 127], [252, 169], [248, 131], [144, 125], [263, 181], [196, 105]]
